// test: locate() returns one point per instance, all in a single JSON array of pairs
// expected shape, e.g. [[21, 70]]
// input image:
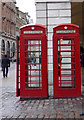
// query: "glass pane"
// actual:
[[34, 48], [66, 66], [66, 63], [64, 48], [67, 54], [66, 60], [32, 42], [64, 41], [33, 67]]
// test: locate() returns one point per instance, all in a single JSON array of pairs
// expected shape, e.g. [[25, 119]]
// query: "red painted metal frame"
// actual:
[[17, 70], [33, 92], [74, 91]]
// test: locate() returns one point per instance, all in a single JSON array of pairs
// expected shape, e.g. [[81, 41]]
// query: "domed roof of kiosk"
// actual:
[[52, 0], [66, 24], [32, 25]]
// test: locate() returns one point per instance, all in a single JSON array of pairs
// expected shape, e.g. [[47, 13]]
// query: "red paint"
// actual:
[[28, 87], [17, 70], [69, 84]]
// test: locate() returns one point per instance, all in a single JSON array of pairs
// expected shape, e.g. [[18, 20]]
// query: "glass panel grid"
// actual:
[[66, 63], [33, 67]]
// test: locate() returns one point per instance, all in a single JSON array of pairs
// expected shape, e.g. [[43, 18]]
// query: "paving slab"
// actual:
[[12, 108]]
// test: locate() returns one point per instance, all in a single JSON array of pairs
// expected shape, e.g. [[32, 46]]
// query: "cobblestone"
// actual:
[[45, 109], [12, 107]]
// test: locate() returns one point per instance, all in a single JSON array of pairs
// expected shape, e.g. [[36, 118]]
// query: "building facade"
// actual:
[[7, 28], [11, 19], [22, 18], [53, 12]]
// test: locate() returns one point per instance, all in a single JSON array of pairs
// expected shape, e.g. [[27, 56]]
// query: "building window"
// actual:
[[8, 48], [2, 46], [13, 49]]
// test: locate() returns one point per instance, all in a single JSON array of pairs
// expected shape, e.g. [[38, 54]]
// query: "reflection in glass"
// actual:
[[33, 67], [66, 63]]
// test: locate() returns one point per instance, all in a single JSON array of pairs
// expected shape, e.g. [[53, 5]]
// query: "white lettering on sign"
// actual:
[[33, 32], [66, 31]]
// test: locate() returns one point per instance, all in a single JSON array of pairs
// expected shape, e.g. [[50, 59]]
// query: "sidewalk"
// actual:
[[12, 107]]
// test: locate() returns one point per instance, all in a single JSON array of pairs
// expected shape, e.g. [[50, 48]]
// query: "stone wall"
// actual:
[[50, 14]]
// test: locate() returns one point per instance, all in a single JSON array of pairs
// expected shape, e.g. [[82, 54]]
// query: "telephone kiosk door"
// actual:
[[66, 61], [33, 62]]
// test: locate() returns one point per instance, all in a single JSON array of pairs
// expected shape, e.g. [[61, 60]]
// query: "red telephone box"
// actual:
[[66, 61], [33, 62]]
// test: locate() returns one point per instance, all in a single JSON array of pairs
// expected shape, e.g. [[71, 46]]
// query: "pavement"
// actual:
[[12, 108]]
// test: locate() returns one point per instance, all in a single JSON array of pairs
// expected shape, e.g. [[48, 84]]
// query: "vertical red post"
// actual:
[[17, 69]]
